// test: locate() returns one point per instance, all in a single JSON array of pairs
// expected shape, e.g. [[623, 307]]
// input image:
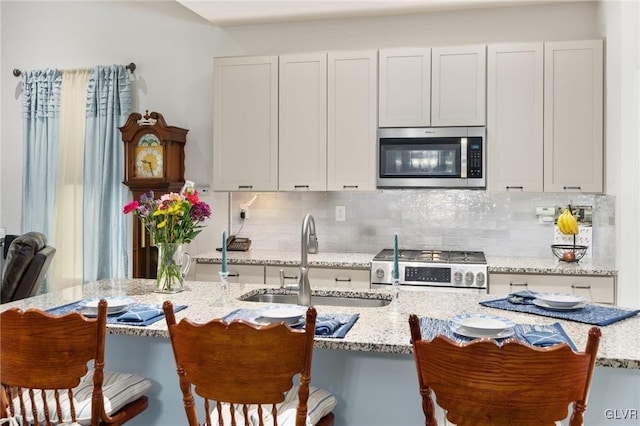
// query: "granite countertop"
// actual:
[[512, 265], [377, 330]]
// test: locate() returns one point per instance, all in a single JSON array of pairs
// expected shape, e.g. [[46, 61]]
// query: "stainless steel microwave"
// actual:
[[431, 157]]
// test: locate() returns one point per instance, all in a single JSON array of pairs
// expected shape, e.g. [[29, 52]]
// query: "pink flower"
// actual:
[[130, 207]]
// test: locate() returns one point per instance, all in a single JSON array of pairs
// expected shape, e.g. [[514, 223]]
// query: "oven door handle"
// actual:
[[463, 158]]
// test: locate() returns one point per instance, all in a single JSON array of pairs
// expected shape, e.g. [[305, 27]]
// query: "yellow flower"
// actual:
[[162, 224]]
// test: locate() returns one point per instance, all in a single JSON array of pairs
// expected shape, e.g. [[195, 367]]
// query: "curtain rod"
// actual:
[[131, 67]]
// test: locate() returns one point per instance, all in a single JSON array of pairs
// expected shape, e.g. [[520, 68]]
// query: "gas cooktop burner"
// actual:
[[434, 256]]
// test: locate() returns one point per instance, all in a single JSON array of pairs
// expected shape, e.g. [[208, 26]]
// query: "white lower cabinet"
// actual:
[[320, 277], [597, 289], [251, 274]]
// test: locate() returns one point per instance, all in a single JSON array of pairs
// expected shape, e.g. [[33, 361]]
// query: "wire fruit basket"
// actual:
[[569, 252]]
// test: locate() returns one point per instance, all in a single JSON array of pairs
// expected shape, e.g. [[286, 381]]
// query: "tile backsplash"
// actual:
[[500, 224]]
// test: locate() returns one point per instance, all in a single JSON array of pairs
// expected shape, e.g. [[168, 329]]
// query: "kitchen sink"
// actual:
[[356, 301]]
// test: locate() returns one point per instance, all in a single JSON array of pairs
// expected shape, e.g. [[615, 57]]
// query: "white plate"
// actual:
[[288, 315], [265, 321], [560, 300], [545, 305], [463, 331], [482, 324], [114, 305]]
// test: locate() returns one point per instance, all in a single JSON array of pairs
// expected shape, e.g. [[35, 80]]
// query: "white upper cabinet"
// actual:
[[303, 122], [514, 117], [352, 120], [245, 130], [458, 86], [573, 116], [405, 87]]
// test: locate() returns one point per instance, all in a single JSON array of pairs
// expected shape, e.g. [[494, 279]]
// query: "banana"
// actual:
[[567, 223]]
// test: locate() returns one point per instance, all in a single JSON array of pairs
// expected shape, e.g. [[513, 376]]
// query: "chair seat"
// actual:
[[319, 404], [119, 389]]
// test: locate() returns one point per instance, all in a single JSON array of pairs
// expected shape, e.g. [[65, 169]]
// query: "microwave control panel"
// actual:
[[474, 158]]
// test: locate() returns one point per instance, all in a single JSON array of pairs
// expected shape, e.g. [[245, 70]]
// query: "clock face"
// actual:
[[149, 162]]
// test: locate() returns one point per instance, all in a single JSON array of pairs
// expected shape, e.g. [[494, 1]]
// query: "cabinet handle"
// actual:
[[343, 280], [349, 186], [245, 186], [284, 277], [581, 287], [519, 284], [577, 188], [521, 188], [301, 186]]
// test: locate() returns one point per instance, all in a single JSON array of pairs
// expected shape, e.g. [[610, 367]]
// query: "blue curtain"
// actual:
[[104, 230], [41, 121]]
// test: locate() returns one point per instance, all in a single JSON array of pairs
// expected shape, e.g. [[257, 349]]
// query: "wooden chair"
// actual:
[[44, 372], [481, 383], [246, 372]]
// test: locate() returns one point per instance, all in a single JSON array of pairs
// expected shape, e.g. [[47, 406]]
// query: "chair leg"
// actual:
[[326, 420], [129, 411]]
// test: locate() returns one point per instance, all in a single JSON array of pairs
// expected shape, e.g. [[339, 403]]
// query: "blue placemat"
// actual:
[[139, 314], [431, 327], [590, 314], [328, 325]]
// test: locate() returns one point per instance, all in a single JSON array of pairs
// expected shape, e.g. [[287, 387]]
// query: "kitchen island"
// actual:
[[371, 367]]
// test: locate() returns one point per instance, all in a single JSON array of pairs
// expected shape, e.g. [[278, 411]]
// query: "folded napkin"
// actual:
[[140, 315], [524, 297], [326, 325], [544, 338]]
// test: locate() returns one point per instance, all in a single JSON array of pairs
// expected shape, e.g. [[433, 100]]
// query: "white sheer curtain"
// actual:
[[67, 268]]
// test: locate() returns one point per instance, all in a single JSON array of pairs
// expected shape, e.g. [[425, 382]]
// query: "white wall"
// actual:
[[173, 49], [620, 22]]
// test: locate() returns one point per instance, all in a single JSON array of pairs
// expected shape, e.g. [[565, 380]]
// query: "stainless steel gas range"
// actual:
[[432, 270]]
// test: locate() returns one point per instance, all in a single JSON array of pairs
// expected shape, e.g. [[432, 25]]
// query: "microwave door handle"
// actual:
[[463, 158]]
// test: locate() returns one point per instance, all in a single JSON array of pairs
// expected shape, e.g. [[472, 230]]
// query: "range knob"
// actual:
[[457, 277], [380, 273], [468, 278], [480, 279]]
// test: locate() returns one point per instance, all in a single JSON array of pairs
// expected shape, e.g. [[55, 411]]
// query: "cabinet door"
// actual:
[[514, 117], [405, 87], [343, 278], [303, 122], [245, 124], [319, 277], [246, 274], [573, 76], [458, 86], [352, 120], [594, 289]]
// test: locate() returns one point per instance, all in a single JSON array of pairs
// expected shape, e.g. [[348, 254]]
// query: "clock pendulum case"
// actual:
[[153, 161]]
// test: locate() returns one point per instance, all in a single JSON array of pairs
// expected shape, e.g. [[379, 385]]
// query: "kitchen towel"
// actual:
[[590, 314], [328, 325], [431, 327], [115, 318]]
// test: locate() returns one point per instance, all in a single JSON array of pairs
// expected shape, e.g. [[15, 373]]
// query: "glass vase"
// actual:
[[173, 266]]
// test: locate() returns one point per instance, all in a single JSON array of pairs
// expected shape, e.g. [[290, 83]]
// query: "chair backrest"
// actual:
[[235, 365], [27, 261], [513, 383], [43, 357]]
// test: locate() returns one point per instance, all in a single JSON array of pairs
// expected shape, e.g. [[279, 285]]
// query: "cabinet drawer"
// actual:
[[596, 289], [247, 274], [320, 277]]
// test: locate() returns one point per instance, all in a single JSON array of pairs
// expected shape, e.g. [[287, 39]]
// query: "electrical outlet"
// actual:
[[341, 214], [244, 211]]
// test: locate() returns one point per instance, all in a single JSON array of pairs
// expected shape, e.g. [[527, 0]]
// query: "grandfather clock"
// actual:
[[153, 161]]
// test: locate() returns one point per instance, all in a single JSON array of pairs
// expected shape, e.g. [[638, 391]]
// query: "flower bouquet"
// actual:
[[172, 220]]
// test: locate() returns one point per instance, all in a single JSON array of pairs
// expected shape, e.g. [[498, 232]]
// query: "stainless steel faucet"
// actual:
[[309, 245]]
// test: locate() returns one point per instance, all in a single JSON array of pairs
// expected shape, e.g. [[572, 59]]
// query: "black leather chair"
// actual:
[[28, 258]]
